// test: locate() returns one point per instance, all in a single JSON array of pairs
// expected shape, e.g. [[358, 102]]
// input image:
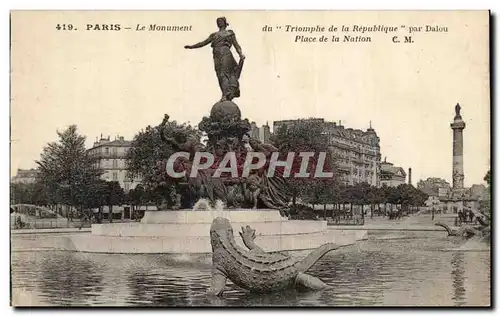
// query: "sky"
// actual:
[[118, 82]]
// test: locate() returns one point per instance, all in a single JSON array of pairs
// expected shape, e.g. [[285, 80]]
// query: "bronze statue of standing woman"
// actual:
[[227, 70]]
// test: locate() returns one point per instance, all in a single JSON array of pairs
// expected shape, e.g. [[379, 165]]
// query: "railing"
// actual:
[[460, 222], [349, 220], [110, 155], [49, 224]]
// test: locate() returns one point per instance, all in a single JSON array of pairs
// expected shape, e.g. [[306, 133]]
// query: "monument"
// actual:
[[458, 127], [256, 199]]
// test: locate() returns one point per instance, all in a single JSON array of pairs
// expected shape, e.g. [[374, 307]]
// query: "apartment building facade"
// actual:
[[111, 159], [25, 176], [356, 152], [261, 133]]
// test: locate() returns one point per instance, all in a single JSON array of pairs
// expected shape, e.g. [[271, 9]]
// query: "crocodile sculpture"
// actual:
[[483, 232], [464, 231], [254, 269]]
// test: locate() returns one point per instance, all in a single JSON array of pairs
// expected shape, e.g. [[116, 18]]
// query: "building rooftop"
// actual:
[[118, 142], [338, 130], [389, 168]]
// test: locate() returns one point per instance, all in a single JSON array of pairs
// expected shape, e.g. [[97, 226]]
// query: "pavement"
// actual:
[[49, 230], [422, 222]]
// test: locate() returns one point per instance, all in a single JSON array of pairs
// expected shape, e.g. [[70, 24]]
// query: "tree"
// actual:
[[345, 193], [135, 198], [360, 195], [66, 170], [40, 194], [113, 195], [149, 152], [304, 136], [20, 193], [95, 198], [406, 195], [319, 193], [419, 197], [375, 197], [393, 196], [29, 193], [485, 206], [487, 178]]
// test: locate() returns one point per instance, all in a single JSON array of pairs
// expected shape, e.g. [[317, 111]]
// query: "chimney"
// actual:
[[409, 176]]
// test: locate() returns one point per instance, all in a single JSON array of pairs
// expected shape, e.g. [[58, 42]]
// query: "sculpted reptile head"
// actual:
[[221, 227]]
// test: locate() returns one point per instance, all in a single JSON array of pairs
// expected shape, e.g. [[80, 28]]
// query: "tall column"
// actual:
[[458, 126]]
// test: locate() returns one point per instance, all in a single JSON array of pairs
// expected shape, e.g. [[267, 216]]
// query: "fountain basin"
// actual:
[[202, 229], [191, 217], [188, 232]]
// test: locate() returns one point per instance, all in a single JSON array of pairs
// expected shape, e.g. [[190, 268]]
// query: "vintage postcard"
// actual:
[[250, 158]]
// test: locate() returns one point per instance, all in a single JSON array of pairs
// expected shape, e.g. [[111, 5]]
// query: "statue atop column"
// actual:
[[227, 70], [457, 111]]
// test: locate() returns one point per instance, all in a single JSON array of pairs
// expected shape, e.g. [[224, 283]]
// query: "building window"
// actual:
[[106, 150], [115, 163], [127, 186], [115, 151], [115, 176]]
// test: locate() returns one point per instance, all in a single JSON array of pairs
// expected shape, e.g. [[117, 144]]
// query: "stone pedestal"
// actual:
[[188, 232]]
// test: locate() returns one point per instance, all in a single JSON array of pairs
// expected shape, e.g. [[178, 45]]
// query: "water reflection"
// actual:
[[76, 279], [375, 272], [458, 278], [68, 279], [168, 287]]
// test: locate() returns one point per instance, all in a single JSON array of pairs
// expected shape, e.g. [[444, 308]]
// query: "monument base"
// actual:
[[188, 232]]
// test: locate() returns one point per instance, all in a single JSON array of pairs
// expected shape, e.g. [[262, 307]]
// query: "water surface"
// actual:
[[422, 270]]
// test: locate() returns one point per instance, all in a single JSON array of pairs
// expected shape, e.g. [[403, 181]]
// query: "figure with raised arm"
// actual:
[[227, 70]]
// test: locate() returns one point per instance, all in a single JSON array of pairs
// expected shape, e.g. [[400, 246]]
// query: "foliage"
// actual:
[[113, 193], [364, 194], [66, 171], [136, 196], [487, 178], [302, 212], [148, 152], [305, 136], [485, 206]]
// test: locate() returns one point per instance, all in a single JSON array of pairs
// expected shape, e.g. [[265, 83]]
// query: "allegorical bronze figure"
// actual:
[[227, 70]]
